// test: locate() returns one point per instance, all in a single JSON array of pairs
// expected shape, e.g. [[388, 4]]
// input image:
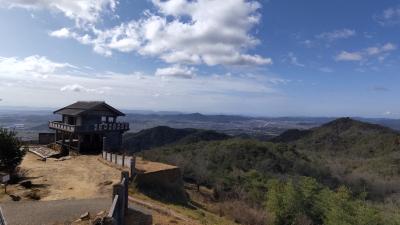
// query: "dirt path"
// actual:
[[52, 212], [80, 177]]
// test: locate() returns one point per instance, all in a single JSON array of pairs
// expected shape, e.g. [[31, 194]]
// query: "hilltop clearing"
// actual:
[[77, 178]]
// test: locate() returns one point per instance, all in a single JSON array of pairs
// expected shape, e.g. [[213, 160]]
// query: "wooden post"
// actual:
[[123, 160], [125, 178], [104, 144], [133, 166], [118, 189], [116, 158], [70, 142], [79, 143]]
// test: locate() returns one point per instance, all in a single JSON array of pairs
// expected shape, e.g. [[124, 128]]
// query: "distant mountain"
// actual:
[[163, 135], [347, 136], [363, 155]]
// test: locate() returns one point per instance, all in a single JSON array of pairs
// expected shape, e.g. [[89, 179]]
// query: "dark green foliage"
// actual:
[[366, 157], [290, 203], [10, 153], [291, 135], [292, 179], [236, 166], [162, 135], [350, 137]]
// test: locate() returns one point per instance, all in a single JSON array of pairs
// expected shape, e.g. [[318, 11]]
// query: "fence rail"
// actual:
[[2, 219], [89, 128], [119, 204], [121, 160]]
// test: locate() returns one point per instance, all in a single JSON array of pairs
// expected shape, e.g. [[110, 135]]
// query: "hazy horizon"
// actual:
[[49, 110]]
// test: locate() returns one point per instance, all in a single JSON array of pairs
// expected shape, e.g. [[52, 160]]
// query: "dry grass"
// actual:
[[197, 213], [78, 178]]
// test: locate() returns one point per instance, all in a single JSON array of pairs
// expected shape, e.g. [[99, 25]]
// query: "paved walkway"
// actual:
[[51, 212]]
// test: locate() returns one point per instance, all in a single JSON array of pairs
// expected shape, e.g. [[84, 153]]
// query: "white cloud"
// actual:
[[219, 93], [82, 11], [349, 56], [80, 88], [376, 50], [186, 32], [32, 65], [337, 34], [379, 51], [176, 71], [390, 16], [61, 33]]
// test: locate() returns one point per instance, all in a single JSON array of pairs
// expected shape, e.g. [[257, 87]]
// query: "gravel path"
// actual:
[[51, 212]]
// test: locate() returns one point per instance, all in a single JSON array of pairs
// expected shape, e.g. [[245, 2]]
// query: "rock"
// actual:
[[100, 213], [26, 184], [85, 216], [109, 221], [15, 198], [106, 183], [98, 221], [63, 158], [104, 221], [34, 195]]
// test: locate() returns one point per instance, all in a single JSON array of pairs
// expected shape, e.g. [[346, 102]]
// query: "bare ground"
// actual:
[[84, 177], [80, 177]]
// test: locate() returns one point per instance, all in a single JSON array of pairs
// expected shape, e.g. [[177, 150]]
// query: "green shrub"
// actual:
[[11, 153]]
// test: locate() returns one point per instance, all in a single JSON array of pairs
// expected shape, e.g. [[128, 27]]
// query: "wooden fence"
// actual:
[[2, 220], [120, 200], [121, 160]]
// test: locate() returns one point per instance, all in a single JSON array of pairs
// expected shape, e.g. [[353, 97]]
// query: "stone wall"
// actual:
[[167, 179]]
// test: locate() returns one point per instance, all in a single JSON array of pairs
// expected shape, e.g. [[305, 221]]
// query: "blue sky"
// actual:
[[269, 58]]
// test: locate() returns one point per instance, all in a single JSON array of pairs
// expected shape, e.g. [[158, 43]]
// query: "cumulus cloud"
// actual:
[[185, 32], [176, 71], [380, 51], [214, 93], [61, 33], [337, 34], [82, 11], [33, 65]]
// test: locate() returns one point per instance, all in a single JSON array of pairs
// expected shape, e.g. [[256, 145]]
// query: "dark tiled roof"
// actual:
[[80, 107]]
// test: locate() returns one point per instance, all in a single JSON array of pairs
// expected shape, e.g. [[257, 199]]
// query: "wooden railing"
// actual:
[[120, 200], [111, 126], [121, 160], [58, 125], [2, 219], [62, 126]]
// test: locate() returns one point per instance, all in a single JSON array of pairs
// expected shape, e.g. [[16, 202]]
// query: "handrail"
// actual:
[[2, 219], [117, 126], [113, 206]]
